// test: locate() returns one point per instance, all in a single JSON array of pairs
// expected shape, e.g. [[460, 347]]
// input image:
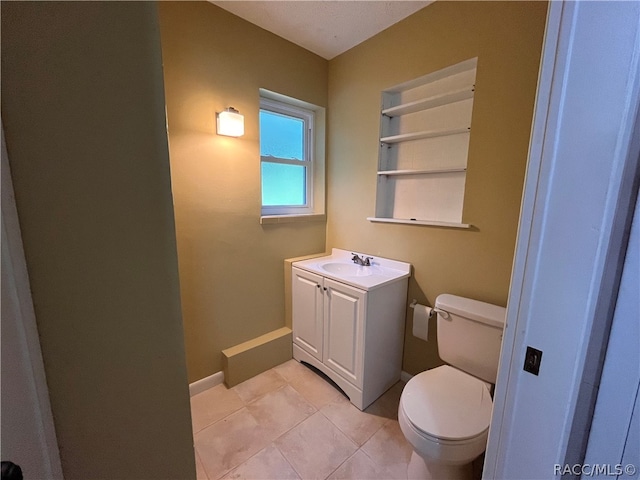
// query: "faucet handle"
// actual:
[[356, 258], [367, 261]]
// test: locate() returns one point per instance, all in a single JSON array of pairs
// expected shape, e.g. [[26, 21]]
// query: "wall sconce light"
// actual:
[[230, 123]]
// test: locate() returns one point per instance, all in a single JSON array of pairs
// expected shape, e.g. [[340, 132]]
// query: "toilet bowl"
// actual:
[[445, 412]]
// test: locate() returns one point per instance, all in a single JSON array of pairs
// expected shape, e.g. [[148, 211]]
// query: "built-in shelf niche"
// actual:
[[425, 126]]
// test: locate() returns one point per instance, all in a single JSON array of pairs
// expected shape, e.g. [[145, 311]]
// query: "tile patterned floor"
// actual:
[[290, 423]]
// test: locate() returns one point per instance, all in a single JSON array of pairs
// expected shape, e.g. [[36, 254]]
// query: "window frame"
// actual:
[[308, 118]]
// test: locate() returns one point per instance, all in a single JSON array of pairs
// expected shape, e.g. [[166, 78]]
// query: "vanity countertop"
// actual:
[[339, 266]]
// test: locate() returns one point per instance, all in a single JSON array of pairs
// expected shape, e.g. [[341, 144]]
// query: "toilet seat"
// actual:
[[447, 405]]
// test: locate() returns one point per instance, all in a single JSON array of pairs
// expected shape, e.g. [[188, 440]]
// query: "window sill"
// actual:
[[278, 219]]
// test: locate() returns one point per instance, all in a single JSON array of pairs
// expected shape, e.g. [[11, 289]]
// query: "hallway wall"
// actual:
[[83, 112]]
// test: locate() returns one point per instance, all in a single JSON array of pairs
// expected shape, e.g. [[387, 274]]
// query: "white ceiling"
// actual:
[[327, 28]]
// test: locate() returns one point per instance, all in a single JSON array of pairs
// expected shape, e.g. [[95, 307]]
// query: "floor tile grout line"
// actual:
[[287, 460], [273, 442], [292, 466], [294, 426], [347, 435], [274, 370], [244, 405], [372, 459], [309, 400], [343, 462], [217, 421], [263, 394], [201, 464]]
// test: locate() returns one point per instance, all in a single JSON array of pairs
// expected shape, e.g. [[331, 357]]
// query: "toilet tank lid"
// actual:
[[472, 309]]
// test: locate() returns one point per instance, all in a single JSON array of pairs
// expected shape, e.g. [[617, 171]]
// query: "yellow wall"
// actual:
[[83, 112], [507, 38], [230, 266]]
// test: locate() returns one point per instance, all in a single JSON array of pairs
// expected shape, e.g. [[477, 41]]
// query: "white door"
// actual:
[[583, 160], [307, 312], [344, 330]]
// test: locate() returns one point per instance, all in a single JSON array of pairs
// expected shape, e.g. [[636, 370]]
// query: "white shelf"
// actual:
[[467, 65], [422, 172], [406, 137], [411, 221], [431, 102], [425, 126]]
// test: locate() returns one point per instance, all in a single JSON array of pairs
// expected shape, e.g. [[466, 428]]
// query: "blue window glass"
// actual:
[[281, 136], [283, 184]]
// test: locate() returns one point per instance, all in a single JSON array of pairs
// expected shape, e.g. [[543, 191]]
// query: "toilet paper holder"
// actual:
[[444, 313]]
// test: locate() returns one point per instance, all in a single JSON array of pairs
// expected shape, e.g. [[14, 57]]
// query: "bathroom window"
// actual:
[[287, 157]]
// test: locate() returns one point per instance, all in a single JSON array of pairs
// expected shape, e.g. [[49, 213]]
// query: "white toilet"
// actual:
[[445, 412]]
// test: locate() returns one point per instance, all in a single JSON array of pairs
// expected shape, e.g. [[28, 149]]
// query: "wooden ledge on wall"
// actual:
[[248, 359]]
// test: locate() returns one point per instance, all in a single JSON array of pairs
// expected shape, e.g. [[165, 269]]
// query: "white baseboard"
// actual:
[[405, 377], [206, 383]]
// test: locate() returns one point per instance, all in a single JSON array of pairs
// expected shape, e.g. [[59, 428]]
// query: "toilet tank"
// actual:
[[470, 335]]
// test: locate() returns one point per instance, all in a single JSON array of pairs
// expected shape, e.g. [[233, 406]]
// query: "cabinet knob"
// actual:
[[325, 289], [318, 286]]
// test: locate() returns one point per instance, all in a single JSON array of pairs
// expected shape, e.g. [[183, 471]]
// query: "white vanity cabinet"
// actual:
[[328, 323], [353, 335]]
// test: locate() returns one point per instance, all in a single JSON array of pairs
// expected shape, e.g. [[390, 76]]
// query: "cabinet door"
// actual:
[[344, 309], [307, 311]]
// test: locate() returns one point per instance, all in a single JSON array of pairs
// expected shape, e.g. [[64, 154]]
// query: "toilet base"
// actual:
[[419, 469]]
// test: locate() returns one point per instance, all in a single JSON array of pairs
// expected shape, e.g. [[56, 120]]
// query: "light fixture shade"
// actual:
[[230, 123]]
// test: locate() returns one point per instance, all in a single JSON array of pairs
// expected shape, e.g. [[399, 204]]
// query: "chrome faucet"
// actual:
[[358, 260]]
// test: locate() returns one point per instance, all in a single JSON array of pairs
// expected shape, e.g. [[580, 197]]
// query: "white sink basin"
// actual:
[[350, 269], [339, 266]]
